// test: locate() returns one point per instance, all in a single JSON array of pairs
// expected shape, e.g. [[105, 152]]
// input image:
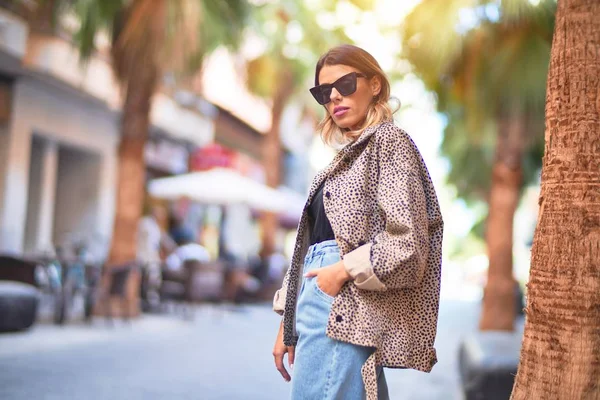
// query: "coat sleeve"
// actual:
[[396, 258], [280, 295]]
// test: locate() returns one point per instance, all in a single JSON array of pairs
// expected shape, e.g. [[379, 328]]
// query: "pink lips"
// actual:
[[339, 111]]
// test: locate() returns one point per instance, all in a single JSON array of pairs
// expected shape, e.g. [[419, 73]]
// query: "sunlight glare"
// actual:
[[327, 20], [294, 32]]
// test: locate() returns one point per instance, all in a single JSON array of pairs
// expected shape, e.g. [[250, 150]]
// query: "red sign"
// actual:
[[211, 156], [215, 155]]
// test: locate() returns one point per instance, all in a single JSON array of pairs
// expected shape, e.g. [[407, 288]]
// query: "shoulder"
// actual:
[[393, 140]]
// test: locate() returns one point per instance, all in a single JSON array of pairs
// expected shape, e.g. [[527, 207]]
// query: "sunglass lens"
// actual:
[[316, 92], [322, 94], [326, 93], [347, 85]]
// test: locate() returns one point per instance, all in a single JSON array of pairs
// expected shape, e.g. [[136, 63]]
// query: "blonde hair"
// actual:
[[379, 110]]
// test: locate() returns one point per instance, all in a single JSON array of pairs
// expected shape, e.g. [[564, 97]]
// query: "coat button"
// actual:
[[327, 194], [338, 318]]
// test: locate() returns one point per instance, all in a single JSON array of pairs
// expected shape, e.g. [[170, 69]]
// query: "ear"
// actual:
[[375, 85]]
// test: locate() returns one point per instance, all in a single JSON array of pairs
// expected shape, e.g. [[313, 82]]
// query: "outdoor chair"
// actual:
[[116, 287], [175, 289], [195, 282]]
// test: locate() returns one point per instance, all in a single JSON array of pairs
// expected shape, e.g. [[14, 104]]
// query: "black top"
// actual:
[[320, 228]]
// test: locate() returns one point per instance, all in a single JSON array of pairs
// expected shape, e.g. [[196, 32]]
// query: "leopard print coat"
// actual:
[[385, 216]]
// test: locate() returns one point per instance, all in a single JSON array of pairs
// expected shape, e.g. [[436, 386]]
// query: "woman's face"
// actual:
[[349, 111]]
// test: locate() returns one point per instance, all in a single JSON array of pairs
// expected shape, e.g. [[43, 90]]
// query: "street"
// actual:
[[224, 353]]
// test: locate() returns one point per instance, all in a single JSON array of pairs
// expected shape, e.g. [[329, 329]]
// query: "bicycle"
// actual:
[[79, 276], [49, 279]]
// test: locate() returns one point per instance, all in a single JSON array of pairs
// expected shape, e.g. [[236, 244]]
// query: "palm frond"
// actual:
[[263, 73], [93, 16], [199, 27], [516, 11], [272, 22], [431, 36], [496, 66], [174, 34]]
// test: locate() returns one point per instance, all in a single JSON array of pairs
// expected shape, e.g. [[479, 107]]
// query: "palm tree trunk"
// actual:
[[561, 346], [131, 173], [498, 311], [41, 18], [135, 51], [272, 157]]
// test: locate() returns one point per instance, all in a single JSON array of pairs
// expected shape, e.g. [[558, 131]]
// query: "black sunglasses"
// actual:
[[346, 85]]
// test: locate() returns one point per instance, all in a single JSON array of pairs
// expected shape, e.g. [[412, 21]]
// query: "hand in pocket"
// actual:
[[330, 279]]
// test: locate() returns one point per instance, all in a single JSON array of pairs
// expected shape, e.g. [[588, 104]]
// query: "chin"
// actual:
[[345, 123], [343, 126]]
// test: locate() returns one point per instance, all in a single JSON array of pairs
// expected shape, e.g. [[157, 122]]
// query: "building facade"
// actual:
[[59, 134]]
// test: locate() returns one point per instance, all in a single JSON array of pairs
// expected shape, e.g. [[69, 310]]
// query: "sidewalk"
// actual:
[[222, 354]]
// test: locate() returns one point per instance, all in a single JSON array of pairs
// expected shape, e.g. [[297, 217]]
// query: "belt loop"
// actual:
[[311, 251]]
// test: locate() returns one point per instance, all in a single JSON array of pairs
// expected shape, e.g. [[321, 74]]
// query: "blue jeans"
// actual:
[[324, 368]]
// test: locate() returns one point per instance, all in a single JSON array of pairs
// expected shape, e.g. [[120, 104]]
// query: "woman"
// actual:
[[362, 291]]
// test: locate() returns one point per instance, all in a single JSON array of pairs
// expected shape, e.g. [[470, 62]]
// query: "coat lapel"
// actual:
[[339, 157]]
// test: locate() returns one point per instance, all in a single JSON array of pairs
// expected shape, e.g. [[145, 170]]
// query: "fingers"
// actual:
[[311, 273], [279, 365], [291, 355]]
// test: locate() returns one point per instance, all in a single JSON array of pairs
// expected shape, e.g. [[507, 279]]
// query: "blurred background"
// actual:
[[155, 157]]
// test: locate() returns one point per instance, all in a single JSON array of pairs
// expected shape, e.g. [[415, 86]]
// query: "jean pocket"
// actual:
[[320, 291]]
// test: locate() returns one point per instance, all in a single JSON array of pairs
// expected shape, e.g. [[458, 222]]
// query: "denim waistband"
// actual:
[[328, 246]]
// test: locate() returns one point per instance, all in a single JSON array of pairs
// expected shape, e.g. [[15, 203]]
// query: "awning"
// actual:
[[223, 186]]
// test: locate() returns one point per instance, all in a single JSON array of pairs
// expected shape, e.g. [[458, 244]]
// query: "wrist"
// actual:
[[343, 275]]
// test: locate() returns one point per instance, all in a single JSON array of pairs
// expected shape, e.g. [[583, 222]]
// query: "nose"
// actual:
[[335, 95]]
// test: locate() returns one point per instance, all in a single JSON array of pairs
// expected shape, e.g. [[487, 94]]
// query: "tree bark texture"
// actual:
[[131, 178], [560, 356], [272, 157], [499, 308], [40, 18], [135, 57]]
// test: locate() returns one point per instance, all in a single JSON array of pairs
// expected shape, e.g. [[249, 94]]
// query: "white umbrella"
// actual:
[[222, 186], [295, 202]]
